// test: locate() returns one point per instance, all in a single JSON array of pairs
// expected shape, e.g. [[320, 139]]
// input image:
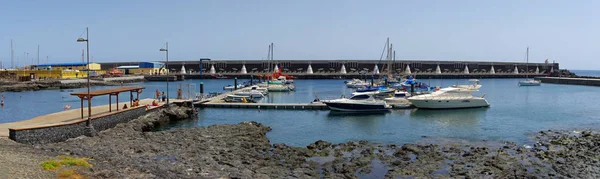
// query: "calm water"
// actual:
[[515, 112], [595, 73]]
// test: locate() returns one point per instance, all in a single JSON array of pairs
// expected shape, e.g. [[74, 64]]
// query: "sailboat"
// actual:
[[528, 82]]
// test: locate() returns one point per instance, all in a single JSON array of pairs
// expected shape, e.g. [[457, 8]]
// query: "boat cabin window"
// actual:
[[360, 97], [399, 95]]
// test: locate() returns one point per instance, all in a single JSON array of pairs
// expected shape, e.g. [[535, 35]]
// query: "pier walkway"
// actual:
[[64, 117]]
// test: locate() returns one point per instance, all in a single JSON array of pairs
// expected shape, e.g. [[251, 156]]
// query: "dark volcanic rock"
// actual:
[[243, 151]]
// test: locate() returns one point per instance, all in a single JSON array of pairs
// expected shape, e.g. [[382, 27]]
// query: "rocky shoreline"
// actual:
[[243, 151], [54, 84]]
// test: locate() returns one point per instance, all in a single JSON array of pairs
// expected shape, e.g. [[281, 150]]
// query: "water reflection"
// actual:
[[454, 117]]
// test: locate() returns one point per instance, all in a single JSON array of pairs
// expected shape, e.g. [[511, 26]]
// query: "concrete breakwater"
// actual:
[[243, 151], [570, 81], [368, 76]]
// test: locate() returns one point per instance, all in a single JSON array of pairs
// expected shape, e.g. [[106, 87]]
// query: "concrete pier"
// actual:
[[570, 81]]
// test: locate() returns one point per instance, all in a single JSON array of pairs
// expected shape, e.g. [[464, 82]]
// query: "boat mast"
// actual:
[[12, 55], [527, 65]]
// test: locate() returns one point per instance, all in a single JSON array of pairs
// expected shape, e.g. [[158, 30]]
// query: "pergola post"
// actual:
[[81, 107], [117, 101], [130, 98], [109, 102]]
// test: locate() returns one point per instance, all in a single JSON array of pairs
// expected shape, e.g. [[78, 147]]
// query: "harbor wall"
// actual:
[[570, 81], [326, 67], [358, 76], [62, 132]]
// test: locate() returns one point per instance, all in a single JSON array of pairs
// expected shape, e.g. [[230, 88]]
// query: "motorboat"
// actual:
[[231, 87], [356, 83], [474, 86], [238, 99], [254, 94], [357, 103], [264, 91], [399, 100], [530, 82], [449, 98], [280, 88], [380, 93]]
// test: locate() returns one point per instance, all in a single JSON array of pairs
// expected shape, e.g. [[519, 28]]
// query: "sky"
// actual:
[[567, 32]]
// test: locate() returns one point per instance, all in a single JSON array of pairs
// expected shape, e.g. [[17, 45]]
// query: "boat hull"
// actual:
[[522, 83], [352, 107], [449, 104]]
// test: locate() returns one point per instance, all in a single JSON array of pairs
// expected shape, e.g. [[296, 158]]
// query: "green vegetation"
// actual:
[[66, 161]]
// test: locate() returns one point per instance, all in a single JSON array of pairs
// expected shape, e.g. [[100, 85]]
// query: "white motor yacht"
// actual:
[[357, 103], [449, 98]]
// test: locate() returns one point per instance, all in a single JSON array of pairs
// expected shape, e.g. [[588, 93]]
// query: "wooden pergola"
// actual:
[[110, 92]]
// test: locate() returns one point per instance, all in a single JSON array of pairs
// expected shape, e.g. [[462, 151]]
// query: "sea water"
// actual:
[[515, 112]]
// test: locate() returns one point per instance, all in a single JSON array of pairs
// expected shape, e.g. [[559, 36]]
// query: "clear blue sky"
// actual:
[[472, 30]]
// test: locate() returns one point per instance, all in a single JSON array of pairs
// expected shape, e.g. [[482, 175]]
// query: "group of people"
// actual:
[[136, 102], [159, 95]]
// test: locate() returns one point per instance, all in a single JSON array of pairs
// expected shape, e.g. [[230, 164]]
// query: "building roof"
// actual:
[[128, 67], [64, 64], [108, 91]]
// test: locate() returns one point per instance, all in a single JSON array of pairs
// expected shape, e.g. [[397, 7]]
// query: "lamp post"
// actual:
[[166, 50], [87, 44]]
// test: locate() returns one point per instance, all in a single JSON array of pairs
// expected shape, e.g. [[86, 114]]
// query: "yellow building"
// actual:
[[70, 66], [54, 74]]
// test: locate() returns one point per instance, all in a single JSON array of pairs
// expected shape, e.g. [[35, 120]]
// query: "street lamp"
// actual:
[[87, 44], [166, 50]]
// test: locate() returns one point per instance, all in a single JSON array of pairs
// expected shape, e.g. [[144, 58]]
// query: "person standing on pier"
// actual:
[[157, 94], [179, 93], [164, 98]]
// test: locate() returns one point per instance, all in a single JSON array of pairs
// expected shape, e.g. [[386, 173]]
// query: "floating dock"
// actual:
[[217, 102], [570, 81], [178, 77], [292, 106]]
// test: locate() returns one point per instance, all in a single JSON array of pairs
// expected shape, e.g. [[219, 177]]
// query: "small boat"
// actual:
[[220, 76], [358, 103], [264, 91], [449, 98], [280, 88], [356, 83], [399, 101], [528, 82], [238, 99], [367, 89], [254, 94], [231, 87]]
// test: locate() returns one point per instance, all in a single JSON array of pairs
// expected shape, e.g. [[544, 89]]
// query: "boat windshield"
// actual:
[[360, 97]]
